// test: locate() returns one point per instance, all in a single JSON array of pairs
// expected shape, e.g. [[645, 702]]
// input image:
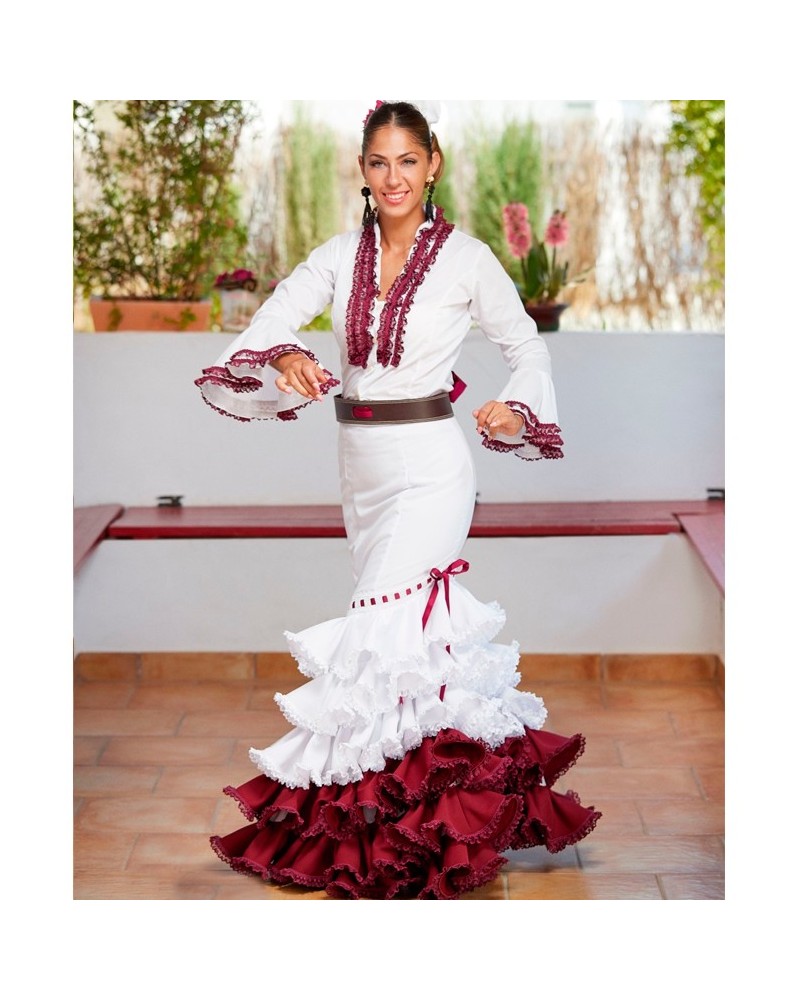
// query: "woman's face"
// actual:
[[395, 168]]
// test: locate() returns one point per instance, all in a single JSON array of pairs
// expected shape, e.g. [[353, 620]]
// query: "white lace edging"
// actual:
[[304, 756]]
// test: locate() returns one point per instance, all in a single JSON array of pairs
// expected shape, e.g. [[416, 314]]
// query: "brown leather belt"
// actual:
[[392, 411]]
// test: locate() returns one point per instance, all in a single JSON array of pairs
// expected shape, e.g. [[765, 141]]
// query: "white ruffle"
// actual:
[[327, 702], [304, 757], [392, 634], [376, 682]]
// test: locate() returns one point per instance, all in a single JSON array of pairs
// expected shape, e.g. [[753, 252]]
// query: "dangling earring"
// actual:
[[368, 218], [429, 209]]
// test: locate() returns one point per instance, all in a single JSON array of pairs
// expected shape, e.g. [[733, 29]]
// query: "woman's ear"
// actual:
[[361, 166], [435, 162]]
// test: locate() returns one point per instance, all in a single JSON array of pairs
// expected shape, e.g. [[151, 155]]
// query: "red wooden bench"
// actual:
[[701, 520], [637, 517], [89, 527], [707, 534]]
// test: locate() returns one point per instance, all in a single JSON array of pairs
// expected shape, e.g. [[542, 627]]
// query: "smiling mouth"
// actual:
[[396, 197]]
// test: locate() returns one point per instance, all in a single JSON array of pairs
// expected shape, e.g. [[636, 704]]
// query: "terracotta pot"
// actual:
[[159, 315], [546, 314]]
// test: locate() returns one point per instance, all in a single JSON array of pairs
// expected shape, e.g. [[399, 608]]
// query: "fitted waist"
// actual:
[[393, 411]]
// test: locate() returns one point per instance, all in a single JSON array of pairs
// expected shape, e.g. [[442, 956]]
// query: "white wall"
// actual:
[[646, 593], [642, 416]]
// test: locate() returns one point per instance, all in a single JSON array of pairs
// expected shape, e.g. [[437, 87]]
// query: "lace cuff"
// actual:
[[533, 441], [255, 396]]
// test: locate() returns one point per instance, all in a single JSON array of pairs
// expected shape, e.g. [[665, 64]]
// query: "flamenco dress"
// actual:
[[414, 761]]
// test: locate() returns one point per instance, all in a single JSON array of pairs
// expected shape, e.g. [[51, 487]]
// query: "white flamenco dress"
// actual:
[[414, 761]]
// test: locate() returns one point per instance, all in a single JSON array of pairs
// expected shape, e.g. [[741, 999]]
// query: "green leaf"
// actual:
[[165, 217]]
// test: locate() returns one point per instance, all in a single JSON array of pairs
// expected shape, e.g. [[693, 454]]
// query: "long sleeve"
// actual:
[[496, 307], [241, 383]]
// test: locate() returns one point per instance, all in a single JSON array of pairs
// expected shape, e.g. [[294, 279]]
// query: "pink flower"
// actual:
[[518, 229], [371, 111], [240, 278], [557, 232]]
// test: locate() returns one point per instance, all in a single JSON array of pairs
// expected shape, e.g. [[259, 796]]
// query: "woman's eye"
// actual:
[[376, 164], [410, 163]]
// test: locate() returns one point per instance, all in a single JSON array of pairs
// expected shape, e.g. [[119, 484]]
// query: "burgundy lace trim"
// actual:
[[218, 375], [221, 376], [245, 808], [399, 298], [582, 831], [260, 359], [546, 437], [362, 298]]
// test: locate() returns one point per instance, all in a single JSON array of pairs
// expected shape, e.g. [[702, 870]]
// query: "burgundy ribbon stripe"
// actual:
[[459, 566]]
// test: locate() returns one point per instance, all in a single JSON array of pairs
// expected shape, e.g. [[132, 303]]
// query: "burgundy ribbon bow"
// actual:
[[459, 566]]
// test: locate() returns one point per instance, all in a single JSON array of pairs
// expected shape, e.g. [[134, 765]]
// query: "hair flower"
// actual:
[[372, 111]]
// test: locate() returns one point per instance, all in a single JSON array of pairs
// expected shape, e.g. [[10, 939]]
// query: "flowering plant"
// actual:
[[543, 277], [240, 278]]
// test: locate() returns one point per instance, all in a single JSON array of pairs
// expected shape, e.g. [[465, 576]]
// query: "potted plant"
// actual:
[[543, 277], [161, 215], [238, 300]]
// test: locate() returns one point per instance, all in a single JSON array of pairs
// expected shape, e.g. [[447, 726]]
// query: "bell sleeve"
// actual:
[[241, 382], [497, 308]]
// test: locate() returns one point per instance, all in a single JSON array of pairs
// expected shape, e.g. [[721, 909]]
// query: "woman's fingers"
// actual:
[[496, 418], [304, 377], [484, 415]]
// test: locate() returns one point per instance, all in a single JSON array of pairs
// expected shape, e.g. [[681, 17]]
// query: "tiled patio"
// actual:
[[157, 736]]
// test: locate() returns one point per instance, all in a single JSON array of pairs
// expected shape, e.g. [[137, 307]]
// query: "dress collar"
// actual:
[[425, 224]]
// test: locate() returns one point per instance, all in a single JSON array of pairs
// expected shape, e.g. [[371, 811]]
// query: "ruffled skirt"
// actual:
[[414, 761]]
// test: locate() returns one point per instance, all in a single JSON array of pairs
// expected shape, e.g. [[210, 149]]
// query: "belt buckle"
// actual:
[[362, 412]]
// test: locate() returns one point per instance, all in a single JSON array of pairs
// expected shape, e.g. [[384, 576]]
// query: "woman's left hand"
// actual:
[[496, 418]]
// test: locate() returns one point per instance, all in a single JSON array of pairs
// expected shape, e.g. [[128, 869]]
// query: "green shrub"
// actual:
[[162, 220], [445, 197], [698, 130], [508, 167], [310, 186]]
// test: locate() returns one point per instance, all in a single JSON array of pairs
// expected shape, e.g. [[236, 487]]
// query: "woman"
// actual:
[[413, 762]]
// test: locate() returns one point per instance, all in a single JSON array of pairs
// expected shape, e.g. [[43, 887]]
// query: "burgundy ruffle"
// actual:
[[546, 437], [221, 375], [399, 298], [439, 819]]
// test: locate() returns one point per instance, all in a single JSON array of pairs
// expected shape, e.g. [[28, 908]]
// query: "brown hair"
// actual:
[[401, 114]]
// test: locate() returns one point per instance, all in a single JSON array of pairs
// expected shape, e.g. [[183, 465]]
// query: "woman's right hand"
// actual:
[[299, 373]]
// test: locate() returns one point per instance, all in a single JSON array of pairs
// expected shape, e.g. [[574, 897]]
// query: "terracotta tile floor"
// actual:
[[157, 736]]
